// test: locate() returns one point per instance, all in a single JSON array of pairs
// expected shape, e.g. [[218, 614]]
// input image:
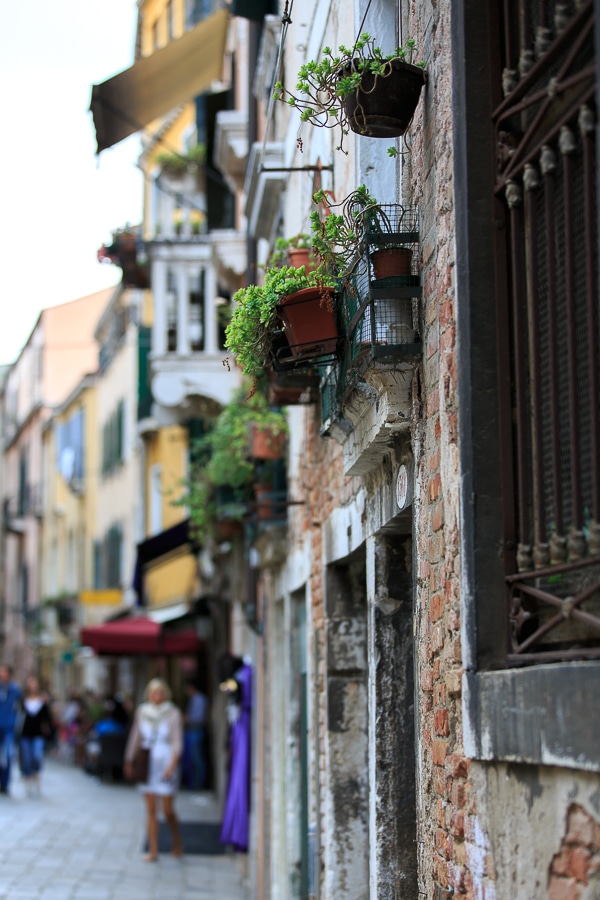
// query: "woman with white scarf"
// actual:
[[158, 727], [35, 731]]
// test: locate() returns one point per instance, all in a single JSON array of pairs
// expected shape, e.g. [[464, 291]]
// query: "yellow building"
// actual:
[[195, 259], [69, 578]]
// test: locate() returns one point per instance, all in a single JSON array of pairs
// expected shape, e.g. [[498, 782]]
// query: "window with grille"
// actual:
[[544, 125]]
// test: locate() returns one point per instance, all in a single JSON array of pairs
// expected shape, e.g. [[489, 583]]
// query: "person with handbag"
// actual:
[[155, 744], [36, 730], [10, 701]]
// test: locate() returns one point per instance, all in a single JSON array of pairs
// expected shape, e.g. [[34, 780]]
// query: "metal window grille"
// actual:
[[548, 329]]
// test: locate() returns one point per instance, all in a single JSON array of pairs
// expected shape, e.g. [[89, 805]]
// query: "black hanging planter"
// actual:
[[383, 105]]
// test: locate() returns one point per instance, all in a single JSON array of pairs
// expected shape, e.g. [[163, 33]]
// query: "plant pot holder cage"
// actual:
[[379, 316]]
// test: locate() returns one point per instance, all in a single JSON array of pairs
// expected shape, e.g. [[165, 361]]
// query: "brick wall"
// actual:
[[455, 853]]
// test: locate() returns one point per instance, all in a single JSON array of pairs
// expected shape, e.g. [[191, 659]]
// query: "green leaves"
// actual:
[[324, 85]]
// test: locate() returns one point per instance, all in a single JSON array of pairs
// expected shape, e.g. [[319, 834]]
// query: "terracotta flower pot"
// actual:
[[290, 389], [264, 500], [266, 445], [228, 529], [391, 262], [383, 107], [310, 322], [301, 256]]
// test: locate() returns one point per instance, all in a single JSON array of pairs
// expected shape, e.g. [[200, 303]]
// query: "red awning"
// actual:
[[140, 636]]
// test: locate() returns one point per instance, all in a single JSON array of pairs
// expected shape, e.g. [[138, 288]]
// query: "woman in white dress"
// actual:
[[158, 726]]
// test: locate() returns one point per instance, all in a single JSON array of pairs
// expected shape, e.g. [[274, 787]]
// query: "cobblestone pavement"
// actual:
[[83, 839]]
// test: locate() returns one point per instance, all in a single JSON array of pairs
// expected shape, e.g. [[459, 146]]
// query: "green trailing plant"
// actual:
[[280, 256], [255, 315], [336, 237], [172, 163], [325, 85], [223, 466], [199, 497]]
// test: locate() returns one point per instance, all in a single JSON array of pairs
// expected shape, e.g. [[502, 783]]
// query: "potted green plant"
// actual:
[[359, 89], [231, 442], [339, 238], [259, 310], [336, 236], [295, 251], [224, 468], [304, 302], [176, 165]]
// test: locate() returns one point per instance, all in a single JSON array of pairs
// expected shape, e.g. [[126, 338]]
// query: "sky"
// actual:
[[58, 201]]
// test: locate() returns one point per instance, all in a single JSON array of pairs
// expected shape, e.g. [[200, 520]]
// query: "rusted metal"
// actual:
[[514, 198], [554, 52], [587, 128], [532, 182], [548, 351], [567, 147], [548, 163]]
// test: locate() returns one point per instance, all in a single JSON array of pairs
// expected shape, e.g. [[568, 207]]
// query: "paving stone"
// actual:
[[82, 840]]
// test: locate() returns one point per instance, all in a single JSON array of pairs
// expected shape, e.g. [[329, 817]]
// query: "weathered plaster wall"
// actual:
[[544, 827]]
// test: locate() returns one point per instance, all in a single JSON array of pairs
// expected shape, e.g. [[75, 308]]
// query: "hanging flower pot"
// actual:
[[391, 262], [266, 443], [309, 318], [383, 105]]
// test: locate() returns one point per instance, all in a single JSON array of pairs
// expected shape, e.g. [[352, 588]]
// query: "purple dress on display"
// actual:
[[234, 829]]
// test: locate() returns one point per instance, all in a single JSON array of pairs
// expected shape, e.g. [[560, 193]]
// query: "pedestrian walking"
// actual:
[[195, 735], [10, 698], [36, 731], [158, 728]]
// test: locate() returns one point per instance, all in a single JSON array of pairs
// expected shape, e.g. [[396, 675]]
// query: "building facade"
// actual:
[[421, 608], [425, 683], [59, 352]]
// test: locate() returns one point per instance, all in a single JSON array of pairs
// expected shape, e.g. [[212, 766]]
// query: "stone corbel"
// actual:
[[379, 408]]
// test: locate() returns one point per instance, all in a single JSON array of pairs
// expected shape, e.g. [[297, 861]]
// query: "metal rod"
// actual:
[[519, 349], [553, 368], [534, 147], [577, 26], [555, 570], [552, 656], [571, 320], [531, 231], [296, 169], [591, 276]]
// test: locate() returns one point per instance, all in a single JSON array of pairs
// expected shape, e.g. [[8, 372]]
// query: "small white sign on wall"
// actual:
[[404, 486]]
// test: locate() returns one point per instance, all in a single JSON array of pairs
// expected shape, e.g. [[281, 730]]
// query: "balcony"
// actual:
[[126, 251], [265, 183], [231, 147], [186, 360], [17, 508]]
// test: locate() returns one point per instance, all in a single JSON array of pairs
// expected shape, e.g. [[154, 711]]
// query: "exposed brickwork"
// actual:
[[577, 863], [459, 863]]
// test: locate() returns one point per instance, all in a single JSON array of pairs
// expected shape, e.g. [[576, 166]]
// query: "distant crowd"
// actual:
[[33, 722], [84, 729]]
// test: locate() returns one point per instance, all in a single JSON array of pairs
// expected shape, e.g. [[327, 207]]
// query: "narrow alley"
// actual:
[[83, 840]]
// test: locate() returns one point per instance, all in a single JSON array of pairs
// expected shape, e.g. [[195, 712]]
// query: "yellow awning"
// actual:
[[156, 84], [101, 597]]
